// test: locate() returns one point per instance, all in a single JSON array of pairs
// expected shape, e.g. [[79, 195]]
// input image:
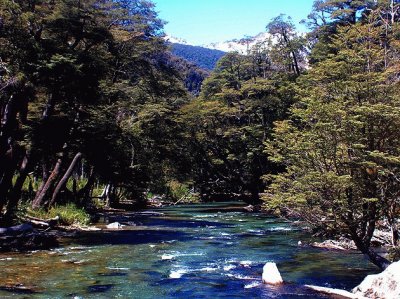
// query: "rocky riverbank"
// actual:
[[25, 237]]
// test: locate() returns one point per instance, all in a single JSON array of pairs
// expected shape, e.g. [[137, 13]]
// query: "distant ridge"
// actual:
[[239, 45], [203, 57], [207, 56]]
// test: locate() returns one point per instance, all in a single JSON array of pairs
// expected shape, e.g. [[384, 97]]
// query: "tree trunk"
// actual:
[[40, 198], [295, 62], [395, 235], [5, 185], [9, 167], [377, 260], [65, 178], [16, 191], [366, 249], [45, 176]]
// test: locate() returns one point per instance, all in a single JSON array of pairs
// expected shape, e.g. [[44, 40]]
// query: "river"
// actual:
[[189, 251]]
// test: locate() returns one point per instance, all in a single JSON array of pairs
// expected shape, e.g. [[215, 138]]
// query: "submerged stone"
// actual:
[[101, 288], [114, 274], [18, 289]]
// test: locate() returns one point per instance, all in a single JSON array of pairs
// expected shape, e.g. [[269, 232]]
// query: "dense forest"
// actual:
[[96, 110], [202, 57]]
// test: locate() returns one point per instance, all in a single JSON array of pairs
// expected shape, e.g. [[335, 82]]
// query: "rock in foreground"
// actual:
[[24, 238], [385, 285], [271, 274]]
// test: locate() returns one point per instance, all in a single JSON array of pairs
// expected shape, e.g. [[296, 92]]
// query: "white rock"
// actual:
[[167, 257], [385, 285], [245, 264], [177, 274], [114, 225], [271, 274]]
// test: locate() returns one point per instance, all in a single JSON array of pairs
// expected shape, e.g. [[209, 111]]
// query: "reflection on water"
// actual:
[[197, 251]]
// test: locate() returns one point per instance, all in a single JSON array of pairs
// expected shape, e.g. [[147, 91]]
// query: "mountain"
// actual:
[[175, 40], [202, 57], [239, 45], [207, 56]]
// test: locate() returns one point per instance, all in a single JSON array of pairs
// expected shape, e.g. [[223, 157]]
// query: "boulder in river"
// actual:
[[341, 244], [114, 225], [385, 285], [271, 274]]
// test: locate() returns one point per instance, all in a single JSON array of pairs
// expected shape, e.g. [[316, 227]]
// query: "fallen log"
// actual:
[[42, 223]]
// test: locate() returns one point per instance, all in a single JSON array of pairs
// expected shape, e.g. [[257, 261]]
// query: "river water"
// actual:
[[191, 251]]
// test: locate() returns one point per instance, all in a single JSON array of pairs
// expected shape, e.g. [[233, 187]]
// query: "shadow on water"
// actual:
[[181, 223], [101, 288], [129, 237], [201, 288]]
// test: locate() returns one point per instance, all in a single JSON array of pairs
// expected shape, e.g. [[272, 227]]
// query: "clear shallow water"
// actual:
[[197, 251]]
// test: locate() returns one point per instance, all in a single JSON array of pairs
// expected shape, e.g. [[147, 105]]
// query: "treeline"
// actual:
[[90, 96], [315, 116], [340, 144]]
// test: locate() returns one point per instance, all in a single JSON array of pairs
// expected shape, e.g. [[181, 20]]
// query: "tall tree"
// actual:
[[341, 145], [289, 47]]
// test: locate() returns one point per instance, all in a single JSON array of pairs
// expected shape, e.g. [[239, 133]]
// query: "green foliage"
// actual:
[[340, 146], [225, 128], [69, 214], [180, 192], [89, 77], [202, 57]]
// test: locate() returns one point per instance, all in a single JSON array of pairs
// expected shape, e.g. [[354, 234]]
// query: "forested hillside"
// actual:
[[95, 111], [202, 57]]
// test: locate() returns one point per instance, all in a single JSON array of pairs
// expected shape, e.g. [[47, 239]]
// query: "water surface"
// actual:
[[195, 251]]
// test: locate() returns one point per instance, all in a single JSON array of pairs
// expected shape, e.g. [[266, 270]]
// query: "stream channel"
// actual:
[[188, 251]]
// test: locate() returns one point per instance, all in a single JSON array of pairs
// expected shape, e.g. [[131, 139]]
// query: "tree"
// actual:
[[225, 128], [288, 48], [67, 68], [341, 146]]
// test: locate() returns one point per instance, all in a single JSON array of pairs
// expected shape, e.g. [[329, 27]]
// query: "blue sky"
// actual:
[[205, 21]]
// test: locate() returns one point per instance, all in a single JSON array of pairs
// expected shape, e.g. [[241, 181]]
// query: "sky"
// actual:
[[202, 22]]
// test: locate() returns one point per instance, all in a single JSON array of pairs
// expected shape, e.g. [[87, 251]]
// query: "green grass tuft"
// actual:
[[69, 214]]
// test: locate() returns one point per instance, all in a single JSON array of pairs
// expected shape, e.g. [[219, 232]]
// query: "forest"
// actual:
[[96, 111]]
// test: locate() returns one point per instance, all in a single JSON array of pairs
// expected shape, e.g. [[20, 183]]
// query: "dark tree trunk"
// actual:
[[65, 178], [5, 186], [295, 62], [45, 176], [366, 249], [16, 191], [9, 168], [41, 197], [377, 260]]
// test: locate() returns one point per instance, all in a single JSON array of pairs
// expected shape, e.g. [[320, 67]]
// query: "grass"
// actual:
[[69, 214]]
